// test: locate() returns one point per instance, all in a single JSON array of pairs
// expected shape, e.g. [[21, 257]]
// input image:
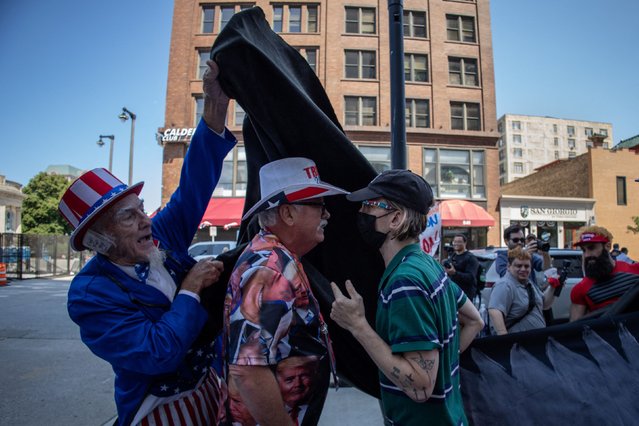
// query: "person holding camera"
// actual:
[[514, 237], [515, 303], [462, 266]]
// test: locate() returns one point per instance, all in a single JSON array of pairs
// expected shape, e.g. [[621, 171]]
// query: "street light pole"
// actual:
[[100, 143], [398, 100], [124, 116]]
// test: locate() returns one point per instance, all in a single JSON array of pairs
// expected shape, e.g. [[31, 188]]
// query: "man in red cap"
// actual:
[[137, 301], [606, 280]]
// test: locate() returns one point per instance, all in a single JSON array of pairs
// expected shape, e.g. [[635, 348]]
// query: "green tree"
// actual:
[[40, 207], [634, 229]]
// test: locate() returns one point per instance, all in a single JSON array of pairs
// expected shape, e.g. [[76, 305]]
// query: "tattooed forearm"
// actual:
[[425, 364], [395, 373]]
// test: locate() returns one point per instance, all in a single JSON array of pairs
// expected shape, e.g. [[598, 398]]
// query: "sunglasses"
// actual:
[[321, 204], [517, 240], [380, 204]]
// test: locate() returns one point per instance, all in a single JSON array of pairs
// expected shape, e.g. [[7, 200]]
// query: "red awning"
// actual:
[[223, 211], [464, 213]]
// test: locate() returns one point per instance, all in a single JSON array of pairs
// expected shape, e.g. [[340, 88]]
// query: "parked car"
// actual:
[[210, 249], [561, 306]]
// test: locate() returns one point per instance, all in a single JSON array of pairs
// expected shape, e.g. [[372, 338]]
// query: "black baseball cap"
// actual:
[[401, 186]]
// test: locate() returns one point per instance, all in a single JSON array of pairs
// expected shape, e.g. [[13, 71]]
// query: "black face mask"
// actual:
[[366, 227]]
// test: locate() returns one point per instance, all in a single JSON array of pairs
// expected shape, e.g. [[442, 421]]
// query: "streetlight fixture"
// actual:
[[100, 143], [124, 116]]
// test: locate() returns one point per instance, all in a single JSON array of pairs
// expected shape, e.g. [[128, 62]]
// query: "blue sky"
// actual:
[[67, 68]]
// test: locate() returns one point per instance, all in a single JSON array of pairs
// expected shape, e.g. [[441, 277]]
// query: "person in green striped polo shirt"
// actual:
[[423, 320]]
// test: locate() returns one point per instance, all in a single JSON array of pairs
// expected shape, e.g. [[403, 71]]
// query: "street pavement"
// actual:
[[48, 376]]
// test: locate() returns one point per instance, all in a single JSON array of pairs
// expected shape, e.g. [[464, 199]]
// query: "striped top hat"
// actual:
[[289, 180], [88, 197]]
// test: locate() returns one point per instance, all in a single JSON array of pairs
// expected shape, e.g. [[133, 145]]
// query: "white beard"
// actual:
[[156, 258]]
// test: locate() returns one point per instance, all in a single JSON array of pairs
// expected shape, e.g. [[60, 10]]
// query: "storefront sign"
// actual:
[[181, 134], [547, 212]]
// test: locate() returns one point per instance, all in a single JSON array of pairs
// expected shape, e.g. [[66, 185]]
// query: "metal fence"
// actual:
[[33, 256]]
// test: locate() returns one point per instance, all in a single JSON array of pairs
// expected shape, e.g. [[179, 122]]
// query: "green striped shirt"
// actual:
[[417, 311]]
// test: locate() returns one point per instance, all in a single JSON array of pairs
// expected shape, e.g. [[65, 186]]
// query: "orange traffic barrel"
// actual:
[[3, 274]]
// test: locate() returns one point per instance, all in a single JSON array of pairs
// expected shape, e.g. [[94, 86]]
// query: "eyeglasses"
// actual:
[[380, 204], [312, 204], [518, 240]]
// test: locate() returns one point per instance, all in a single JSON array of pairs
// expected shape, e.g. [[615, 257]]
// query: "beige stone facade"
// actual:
[[11, 198], [450, 89], [528, 142], [597, 187]]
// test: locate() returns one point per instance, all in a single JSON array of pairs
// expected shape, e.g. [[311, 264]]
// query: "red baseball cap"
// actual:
[[591, 237]]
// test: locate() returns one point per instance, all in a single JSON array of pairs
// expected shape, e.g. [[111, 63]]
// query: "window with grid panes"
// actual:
[[414, 24], [208, 15], [455, 173], [278, 18], [359, 64], [465, 116], [518, 167], [460, 28], [199, 108], [311, 19], [571, 130], [517, 152], [415, 67], [517, 139], [310, 54], [238, 114], [462, 71], [378, 156], [417, 113], [360, 110], [226, 13], [203, 56], [360, 20], [295, 19]]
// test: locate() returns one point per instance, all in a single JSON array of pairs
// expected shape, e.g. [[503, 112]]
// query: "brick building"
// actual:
[[450, 90], [597, 187]]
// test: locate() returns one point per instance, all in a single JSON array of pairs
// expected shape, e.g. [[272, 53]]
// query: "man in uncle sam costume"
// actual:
[[137, 302]]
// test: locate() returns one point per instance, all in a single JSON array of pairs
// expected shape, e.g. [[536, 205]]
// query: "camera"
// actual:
[[447, 264], [543, 245]]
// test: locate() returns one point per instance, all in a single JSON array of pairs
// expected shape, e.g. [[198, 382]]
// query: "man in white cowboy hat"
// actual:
[[271, 314], [137, 302]]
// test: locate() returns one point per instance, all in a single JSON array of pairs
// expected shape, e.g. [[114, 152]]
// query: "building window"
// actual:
[[310, 54], [464, 116], [500, 127], [502, 155], [518, 167], [455, 173], [554, 128], [226, 13], [588, 131], [414, 24], [516, 125], [359, 64], [502, 169], [572, 154], [460, 28], [293, 16], [199, 108], [462, 71], [517, 139], [233, 179], [208, 15], [238, 114], [311, 19], [360, 110], [517, 152], [415, 67], [571, 130], [603, 132], [278, 18], [203, 56], [556, 141], [379, 157], [571, 144], [556, 155], [417, 113], [295, 19], [621, 191], [360, 20]]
